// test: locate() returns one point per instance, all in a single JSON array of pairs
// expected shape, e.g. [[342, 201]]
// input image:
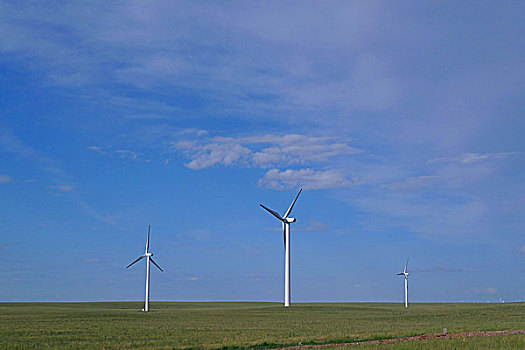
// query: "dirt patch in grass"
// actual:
[[417, 337]]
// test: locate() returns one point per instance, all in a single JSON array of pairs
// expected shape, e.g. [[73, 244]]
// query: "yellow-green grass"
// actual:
[[172, 325]]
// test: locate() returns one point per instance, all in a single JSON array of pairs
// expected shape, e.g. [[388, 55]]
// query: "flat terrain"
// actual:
[[252, 325]]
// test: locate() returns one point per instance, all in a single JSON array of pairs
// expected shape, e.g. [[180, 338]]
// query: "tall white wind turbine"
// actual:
[[286, 221], [149, 258], [405, 273]]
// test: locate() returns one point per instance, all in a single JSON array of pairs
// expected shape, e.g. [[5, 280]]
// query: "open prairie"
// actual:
[[236, 325]]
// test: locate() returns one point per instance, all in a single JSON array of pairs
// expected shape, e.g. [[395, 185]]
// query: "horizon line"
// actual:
[[260, 301]]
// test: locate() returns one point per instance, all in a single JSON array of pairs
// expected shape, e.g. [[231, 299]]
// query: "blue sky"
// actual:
[[403, 122]]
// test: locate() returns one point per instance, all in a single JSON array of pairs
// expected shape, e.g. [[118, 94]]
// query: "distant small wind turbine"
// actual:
[[286, 231], [148, 257], [405, 273]]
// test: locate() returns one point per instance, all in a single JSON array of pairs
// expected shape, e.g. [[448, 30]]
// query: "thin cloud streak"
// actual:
[[468, 158], [440, 268], [12, 144]]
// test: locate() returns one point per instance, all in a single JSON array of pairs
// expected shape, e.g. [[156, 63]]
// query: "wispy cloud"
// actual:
[[63, 188], [5, 248], [93, 261], [5, 179], [59, 179], [124, 154], [131, 155], [10, 143], [225, 64], [439, 268], [482, 291], [96, 149], [469, 158], [193, 278], [190, 278], [412, 183], [314, 226], [306, 178], [262, 276]]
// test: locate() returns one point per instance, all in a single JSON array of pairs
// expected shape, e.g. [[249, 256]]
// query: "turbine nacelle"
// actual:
[[290, 220]]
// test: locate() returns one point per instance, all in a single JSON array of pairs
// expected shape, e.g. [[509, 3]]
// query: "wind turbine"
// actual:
[[149, 258], [286, 221], [405, 273]]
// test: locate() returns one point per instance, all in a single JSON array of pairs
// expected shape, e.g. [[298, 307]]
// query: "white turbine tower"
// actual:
[[405, 273], [286, 231], [149, 258]]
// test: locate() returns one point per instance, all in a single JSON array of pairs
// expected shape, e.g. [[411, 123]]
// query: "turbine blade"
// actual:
[[154, 263], [140, 257], [406, 266], [272, 212], [400, 274], [291, 206], [147, 241]]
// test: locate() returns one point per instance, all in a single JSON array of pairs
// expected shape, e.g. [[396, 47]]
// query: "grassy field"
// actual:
[[249, 325]]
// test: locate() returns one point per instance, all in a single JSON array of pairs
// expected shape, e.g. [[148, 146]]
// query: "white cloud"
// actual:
[[5, 179], [269, 151], [305, 178], [264, 151]]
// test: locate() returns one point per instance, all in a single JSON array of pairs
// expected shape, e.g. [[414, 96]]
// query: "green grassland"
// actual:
[[172, 325]]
